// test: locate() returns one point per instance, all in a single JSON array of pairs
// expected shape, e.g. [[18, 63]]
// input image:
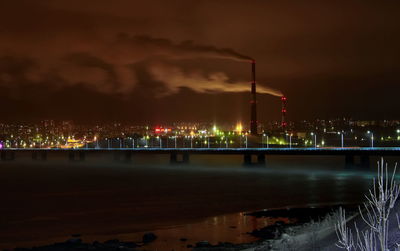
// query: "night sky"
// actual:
[[163, 61]]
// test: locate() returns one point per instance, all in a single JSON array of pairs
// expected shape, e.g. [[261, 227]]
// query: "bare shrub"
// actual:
[[376, 211], [344, 234]]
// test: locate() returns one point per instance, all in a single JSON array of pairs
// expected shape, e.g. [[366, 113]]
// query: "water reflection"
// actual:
[[232, 228]]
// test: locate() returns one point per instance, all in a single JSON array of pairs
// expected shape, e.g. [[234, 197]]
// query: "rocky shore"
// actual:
[[76, 243], [297, 218]]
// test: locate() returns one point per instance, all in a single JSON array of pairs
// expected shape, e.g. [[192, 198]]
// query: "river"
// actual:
[[45, 202]]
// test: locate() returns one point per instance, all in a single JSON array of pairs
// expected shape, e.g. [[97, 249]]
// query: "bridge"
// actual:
[[182, 155]]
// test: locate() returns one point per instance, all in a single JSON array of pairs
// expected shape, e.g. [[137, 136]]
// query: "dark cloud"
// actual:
[[329, 58]]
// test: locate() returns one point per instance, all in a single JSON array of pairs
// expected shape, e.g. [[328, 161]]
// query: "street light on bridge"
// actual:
[[262, 139], [341, 138], [267, 142], [372, 138], [159, 141], [315, 139]]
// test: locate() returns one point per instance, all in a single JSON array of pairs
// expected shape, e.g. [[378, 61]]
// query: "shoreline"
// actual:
[[295, 217], [278, 232]]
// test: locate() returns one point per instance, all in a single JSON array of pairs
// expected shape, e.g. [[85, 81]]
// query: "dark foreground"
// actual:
[[288, 218]]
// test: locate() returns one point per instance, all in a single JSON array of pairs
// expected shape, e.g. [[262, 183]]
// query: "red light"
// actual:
[[283, 98], [160, 130], [284, 110]]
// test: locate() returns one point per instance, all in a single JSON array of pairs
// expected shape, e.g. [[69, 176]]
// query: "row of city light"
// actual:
[[221, 138]]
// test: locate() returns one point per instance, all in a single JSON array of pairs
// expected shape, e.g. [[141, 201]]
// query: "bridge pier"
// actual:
[[123, 157], [349, 160], [76, 156], [364, 161], [6, 155], [185, 158], [36, 155], [173, 159], [261, 159], [247, 159]]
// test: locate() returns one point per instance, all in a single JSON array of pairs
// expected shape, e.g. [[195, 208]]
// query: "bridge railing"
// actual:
[[185, 142]]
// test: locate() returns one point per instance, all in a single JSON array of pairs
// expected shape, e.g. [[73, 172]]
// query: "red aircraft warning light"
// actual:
[[283, 123]]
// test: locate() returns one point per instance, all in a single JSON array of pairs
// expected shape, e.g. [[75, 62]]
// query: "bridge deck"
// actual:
[[382, 151]]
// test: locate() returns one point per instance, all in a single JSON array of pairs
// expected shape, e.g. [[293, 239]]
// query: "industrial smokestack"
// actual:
[[253, 102]]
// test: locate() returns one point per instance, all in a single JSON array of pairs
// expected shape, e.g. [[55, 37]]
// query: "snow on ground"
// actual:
[[321, 236]]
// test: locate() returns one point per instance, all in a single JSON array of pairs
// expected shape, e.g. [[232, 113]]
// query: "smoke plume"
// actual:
[[175, 78], [109, 66], [185, 49]]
